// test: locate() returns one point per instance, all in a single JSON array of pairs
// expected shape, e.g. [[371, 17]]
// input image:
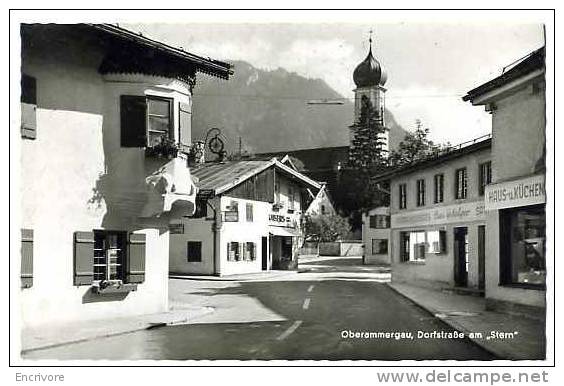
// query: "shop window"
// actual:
[[485, 176], [250, 251], [29, 107], [379, 246], [522, 246], [402, 196], [379, 221], [194, 251], [439, 180], [461, 185], [249, 212], [436, 241], [420, 192], [145, 121], [233, 253], [412, 246]]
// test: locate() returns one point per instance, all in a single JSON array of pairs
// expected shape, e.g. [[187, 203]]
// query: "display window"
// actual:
[[523, 237]]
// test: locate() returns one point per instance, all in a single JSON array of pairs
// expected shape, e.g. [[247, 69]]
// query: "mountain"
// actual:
[[268, 110]]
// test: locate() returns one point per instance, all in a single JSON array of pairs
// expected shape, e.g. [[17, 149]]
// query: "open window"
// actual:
[[146, 121]]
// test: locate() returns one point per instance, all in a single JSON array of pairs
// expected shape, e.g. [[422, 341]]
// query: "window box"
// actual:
[[113, 287], [166, 148]]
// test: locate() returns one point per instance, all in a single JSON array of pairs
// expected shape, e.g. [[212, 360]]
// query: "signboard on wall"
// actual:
[[510, 194], [176, 228], [231, 216], [472, 211]]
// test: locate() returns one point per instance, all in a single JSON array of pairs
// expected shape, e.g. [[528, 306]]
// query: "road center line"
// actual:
[[290, 330], [310, 288], [306, 303]]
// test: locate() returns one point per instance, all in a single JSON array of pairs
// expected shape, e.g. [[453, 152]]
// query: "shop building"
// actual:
[[437, 219], [105, 137], [248, 219], [515, 202]]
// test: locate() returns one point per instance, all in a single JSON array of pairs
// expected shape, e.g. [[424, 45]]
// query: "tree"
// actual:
[[366, 152], [415, 147], [326, 228], [354, 192]]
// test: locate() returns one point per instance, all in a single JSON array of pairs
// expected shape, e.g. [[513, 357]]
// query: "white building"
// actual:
[[248, 219], [515, 202], [99, 103]]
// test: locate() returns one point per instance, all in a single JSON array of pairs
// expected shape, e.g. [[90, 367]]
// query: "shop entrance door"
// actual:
[[461, 256], [264, 253], [481, 257]]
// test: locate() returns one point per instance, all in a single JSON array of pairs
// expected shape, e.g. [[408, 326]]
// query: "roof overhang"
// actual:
[[161, 52], [505, 89]]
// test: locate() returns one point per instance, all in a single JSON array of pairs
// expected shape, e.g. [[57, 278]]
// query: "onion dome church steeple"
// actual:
[[369, 78], [369, 72]]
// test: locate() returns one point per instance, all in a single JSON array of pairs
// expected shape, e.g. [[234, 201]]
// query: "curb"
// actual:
[[229, 278], [454, 325], [148, 325]]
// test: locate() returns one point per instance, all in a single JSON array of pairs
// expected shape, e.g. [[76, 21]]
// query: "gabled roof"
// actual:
[[217, 177], [534, 61]]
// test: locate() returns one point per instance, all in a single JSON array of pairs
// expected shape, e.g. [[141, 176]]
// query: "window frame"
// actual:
[[170, 101], [379, 250], [439, 186], [200, 245], [461, 185], [506, 259], [122, 240], [420, 192], [402, 204], [249, 215], [484, 176]]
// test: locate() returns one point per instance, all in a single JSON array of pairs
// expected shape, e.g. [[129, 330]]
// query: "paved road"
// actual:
[[297, 317]]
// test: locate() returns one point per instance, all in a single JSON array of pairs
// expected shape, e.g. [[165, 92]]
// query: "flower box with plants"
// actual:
[[165, 148]]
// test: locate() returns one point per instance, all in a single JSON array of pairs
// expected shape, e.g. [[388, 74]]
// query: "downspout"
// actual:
[[214, 231]]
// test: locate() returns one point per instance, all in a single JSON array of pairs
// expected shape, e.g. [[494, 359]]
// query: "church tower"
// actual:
[[369, 78]]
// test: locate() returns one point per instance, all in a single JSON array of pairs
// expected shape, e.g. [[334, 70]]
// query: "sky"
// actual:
[[430, 66]]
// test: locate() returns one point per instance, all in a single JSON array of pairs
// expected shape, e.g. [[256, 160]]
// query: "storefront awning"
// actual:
[[280, 231], [170, 184]]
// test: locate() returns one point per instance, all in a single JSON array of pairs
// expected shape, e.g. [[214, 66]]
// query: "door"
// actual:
[[481, 257], [265, 253], [461, 256]]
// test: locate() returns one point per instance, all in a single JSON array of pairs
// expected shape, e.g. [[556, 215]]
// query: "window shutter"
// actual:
[[27, 258], [135, 264], [29, 106], [133, 111], [83, 258], [185, 118]]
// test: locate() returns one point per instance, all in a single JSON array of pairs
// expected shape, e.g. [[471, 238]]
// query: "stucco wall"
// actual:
[[75, 177], [438, 269], [448, 168], [518, 132], [518, 126]]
